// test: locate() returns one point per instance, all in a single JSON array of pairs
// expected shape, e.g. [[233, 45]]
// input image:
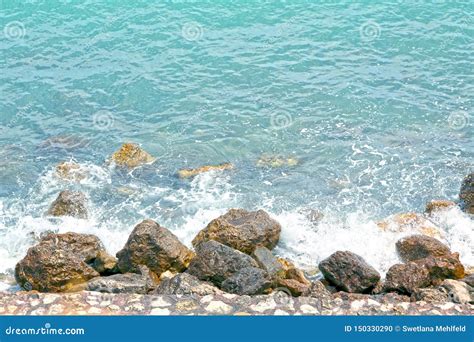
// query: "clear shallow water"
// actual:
[[374, 101]]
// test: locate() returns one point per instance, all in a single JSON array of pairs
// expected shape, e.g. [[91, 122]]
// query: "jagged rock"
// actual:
[[268, 262], [438, 205], [443, 267], [217, 262], [458, 291], [247, 281], [188, 173], [59, 263], [429, 295], [466, 193], [417, 247], [406, 278], [410, 222], [131, 155], [154, 246], [186, 284], [349, 271], [318, 290], [291, 278], [69, 203], [276, 161], [70, 171], [105, 264], [469, 280], [141, 283], [243, 230]]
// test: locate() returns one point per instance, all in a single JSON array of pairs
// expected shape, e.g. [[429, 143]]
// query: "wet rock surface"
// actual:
[[189, 173], [466, 194], [410, 222], [349, 272], [416, 247], [131, 155], [153, 246], [242, 230], [69, 203], [217, 262]]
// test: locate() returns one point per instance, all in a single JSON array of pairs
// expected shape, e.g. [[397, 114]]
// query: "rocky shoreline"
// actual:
[[232, 270]]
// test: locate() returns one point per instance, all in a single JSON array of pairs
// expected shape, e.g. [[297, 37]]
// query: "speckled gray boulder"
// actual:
[[466, 193], [217, 262], [349, 271], [268, 262], [430, 295], [406, 278], [141, 283], [247, 281], [186, 284]]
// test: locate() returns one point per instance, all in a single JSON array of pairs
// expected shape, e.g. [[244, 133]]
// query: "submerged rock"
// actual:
[[186, 284], [59, 263], [243, 230], [438, 205], [417, 247], [188, 173], [466, 193], [247, 281], [141, 283], [349, 271], [70, 171], [132, 155], [276, 161], [406, 278], [69, 203], [154, 246], [217, 262], [458, 291], [410, 222]]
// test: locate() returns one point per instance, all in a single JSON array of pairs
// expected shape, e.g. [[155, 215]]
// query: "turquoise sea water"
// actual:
[[373, 99]]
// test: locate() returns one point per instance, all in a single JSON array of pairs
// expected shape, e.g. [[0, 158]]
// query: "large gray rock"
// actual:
[[153, 246], [69, 203], [406, 278], [242, 230], [59, 263], [458, 291], [247, 281], [141, 283], [186, 284], [217, 262], [466, 193], [416, 247], [268, 262], [349, 271]]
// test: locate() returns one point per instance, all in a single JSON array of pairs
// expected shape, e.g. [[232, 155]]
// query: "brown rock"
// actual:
[[417, 247], [243, 230], [154, 246], [60, 262], [438, 205], [188, 173], [349, 271], [131, 155], [430, 295], [70, 171], [105, 263], [443, 267], [69, 203], [406, 278], [295, 287]]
